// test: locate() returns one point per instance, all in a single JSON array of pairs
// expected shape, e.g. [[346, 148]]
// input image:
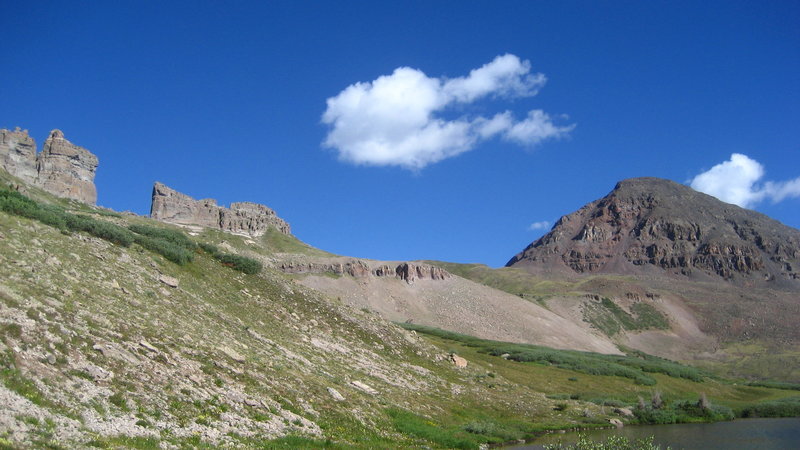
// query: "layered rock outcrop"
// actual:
[[18, 154], [647, 223], [62, 168], [408, 272], [66, 169], [246, 218]]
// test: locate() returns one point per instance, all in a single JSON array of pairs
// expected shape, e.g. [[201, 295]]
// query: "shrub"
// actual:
[[171, 251], [13, 202], [787, 407], [240, 263], [175, 237], [100, 228], [633, 366], [237, 262]]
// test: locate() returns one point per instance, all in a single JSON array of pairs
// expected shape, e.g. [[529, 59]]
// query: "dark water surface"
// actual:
[[766, 434]]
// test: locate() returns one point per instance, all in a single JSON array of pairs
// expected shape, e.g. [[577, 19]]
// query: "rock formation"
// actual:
[[411, 272], [408, 272], [647, 223], [247, 218], [62, 168], [66, 169], [18, 154]]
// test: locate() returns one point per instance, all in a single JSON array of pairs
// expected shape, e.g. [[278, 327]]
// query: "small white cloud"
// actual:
[[392, 120], [536, 226], [505, 76], [737, 181], [535, 128]]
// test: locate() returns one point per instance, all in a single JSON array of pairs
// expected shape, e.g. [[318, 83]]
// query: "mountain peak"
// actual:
[[656, 226]]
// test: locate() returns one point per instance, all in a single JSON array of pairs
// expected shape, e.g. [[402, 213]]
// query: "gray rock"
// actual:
[[62, 168], [625, 412], [335, 394], [458, 361], [18, 154], [364, 387], [169, 205], [67, 170], [169, 281], [232, 354]]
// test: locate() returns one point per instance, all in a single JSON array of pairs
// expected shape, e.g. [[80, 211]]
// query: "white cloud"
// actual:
[[737, 181], [393, 120], [543, 225], [536, 127]]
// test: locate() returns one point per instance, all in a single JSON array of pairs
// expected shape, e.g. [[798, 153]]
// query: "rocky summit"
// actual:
[[169, 205], [652, 226], [62, 168]]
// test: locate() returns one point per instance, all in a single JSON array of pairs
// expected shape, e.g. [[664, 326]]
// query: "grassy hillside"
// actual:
[[110, 341], [765, 348]]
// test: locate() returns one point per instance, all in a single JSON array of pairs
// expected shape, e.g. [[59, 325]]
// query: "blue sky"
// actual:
[[249, 101]]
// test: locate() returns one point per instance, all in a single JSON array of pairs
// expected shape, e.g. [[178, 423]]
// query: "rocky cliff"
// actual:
[[408, 272], [247, 218], [62, 168], [650, 223]]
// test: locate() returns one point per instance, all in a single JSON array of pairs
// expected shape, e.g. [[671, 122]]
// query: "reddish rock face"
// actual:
[[650, 223], [248, 218]]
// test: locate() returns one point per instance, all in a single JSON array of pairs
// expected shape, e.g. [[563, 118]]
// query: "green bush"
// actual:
[[175, 237], [169, 250], [13, 202], [787, 407], [211, 249], [776, 385], [633, 366], [100, 228], [237, 262], [240, 263]]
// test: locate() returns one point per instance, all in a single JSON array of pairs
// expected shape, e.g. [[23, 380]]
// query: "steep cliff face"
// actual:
[[18, 154], [252, 219], [66, 169], [647, 223], [62, 168]]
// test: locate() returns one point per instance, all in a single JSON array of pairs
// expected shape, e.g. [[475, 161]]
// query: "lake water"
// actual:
[[762, 434]]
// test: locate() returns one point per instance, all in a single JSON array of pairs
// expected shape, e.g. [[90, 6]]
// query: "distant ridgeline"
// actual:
[[62, 168], [245, 218]]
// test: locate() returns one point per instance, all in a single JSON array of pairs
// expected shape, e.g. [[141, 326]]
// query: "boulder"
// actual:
[[363, 387], [625, 412], [335, 394], [458, 361]]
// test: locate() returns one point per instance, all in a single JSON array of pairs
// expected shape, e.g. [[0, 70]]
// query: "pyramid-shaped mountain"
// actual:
[[651, 226]]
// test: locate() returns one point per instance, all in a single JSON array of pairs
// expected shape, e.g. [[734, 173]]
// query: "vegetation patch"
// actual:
[[173, 245], [633, 366], [776, 385], [414, 425], [236, 262], [609, 318], [175, 237], [786, 407], [612, 443]]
